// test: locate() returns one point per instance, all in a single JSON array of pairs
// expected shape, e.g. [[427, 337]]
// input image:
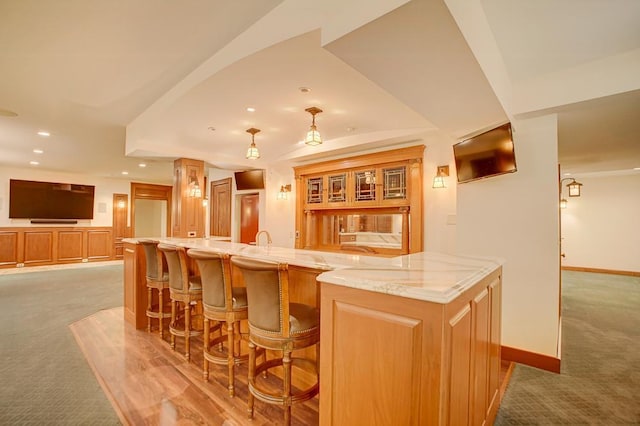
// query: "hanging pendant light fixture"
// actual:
[[252, 151], [313, 135]]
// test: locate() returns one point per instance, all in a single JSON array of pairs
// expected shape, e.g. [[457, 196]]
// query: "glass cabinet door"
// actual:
[[365, 185], [337, 188], [314, 190], [394, 185]]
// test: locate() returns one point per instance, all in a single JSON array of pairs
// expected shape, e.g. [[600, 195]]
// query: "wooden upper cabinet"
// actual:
[[370, 184]]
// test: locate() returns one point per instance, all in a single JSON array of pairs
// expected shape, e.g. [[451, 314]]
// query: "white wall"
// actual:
[[601, 228], [103, 201], [515, 217]]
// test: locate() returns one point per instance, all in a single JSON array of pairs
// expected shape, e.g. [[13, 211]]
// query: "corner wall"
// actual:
[[515, 217], [601, 228]]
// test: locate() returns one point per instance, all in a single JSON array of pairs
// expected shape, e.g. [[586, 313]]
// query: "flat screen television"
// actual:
[[488, 154], [50, 200], [249, 179]]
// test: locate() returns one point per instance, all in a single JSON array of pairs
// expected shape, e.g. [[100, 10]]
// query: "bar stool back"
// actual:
[[157, 279], [275, 323], [185, 291], [223, 303]]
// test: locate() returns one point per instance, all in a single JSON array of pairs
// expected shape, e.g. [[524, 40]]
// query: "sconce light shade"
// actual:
[[283, 194], [563, 203], [574, 188], [194, 187], [438, 180], [313, 135], [122, 204], [252, 151], [205, 202]]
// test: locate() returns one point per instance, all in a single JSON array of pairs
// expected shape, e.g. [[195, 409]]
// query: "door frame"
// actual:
[[148, 191]]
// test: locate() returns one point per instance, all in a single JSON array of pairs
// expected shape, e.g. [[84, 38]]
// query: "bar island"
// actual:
[[413, 339]]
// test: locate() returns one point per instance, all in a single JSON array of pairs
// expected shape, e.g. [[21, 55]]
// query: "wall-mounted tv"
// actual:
[[50, 200], [249, 179], [488, 154]]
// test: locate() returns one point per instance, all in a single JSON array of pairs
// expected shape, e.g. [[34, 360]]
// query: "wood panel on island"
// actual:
[[369, 203]]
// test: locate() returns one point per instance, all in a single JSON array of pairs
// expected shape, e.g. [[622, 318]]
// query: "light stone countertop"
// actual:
[[433, 277]]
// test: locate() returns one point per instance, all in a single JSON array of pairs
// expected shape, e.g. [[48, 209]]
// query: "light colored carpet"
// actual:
[[599, 383], [45, 378]]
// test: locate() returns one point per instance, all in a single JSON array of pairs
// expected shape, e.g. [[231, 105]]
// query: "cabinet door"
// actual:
[[337, 191], [394, 185], [315, 194], [365, 187]]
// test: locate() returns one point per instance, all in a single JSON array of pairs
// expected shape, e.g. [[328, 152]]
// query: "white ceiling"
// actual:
[[150, 78]]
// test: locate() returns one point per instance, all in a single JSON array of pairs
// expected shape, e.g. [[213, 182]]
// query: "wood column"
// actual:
[[187, 209]]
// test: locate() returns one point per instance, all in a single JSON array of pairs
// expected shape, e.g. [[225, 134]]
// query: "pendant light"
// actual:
[[252, 151], [313, 135]]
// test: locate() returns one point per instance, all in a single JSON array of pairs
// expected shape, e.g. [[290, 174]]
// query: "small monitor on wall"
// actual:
[[488, 154], [249, 179]]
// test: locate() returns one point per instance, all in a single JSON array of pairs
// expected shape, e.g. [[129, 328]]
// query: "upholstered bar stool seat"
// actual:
[[279, 325], [157, 279], [225, 305], [185, 292]]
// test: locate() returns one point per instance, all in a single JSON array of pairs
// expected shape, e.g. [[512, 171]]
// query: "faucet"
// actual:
[[268, 238]]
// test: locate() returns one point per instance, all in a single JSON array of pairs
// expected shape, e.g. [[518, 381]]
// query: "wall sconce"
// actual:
[[313, 135], [205, 202], [252, 151], [574, 188], [284, 192], [438, 180], [574, 191], [194, 187]]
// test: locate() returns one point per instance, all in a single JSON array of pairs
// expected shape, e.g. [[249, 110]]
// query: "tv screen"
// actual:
[[50, 200], [488, 154], [250, 179]]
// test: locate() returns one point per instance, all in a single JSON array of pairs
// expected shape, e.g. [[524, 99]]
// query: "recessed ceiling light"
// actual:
[[636, 168], [304, 89], [33, 163], [567, 174], [7, 113], [44, 133], [38, 151], [213, 129], [125, 173], [143, 165], [251, 109], [350, 129]]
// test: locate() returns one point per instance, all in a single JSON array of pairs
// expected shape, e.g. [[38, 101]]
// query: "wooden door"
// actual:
[[248, 217], [120, 213], [220, 212]]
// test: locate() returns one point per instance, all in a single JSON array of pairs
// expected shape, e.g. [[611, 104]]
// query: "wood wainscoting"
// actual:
[[36, 246]]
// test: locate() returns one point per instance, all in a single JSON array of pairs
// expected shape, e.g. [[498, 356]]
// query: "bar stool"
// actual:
[[183, 289], [276, 324], [223, 303], [157, 279]]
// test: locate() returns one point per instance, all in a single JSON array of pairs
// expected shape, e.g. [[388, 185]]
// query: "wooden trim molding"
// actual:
[[601, 271], [532, 359]]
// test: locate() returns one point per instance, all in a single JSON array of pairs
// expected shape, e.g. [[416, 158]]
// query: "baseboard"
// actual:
[[532, 359], [601, 271]]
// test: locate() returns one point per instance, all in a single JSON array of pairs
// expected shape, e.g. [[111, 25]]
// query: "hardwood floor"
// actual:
[[148, 383]]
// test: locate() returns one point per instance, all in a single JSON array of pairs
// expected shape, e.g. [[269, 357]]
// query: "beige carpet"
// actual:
[[599, 383], [45, 378]]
